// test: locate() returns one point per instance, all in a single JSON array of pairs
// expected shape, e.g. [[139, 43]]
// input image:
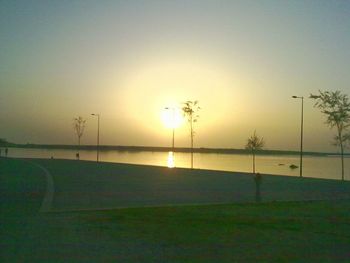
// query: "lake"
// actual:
[[314, 166]]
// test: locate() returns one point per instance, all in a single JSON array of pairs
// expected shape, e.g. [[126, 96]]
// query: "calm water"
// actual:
[[321, 167]]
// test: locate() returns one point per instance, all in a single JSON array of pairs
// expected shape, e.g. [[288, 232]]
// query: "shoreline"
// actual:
[[274, 170], [122, 148], [140, 165]]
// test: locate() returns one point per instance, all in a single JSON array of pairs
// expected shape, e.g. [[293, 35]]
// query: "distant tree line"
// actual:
[[4, 143]]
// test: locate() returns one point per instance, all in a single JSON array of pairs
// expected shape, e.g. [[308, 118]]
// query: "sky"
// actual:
[[129, 60]]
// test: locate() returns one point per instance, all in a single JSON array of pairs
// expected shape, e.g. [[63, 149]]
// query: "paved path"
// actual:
[[81, 185], [46, 204]]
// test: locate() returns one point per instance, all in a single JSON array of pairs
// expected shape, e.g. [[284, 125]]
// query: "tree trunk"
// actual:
[[341, 154], [78, 154], [191, 143], [253, 162], [342, 160]]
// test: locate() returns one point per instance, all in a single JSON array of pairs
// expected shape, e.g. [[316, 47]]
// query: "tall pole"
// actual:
[[301, 136], [301, 133], [98, 136], [173, 124], [173, 139], [173, 129], [191, 141]]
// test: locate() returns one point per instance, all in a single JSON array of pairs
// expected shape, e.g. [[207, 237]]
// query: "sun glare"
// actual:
[[172, 117], [171, 160]]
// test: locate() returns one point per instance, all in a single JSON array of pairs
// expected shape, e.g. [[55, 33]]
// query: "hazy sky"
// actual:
[[128, 60]]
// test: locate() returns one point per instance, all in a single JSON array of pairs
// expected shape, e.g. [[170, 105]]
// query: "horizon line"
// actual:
[[164, 148]]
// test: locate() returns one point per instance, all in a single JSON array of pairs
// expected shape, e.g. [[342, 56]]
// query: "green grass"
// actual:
[[273, 232], [316, 231]]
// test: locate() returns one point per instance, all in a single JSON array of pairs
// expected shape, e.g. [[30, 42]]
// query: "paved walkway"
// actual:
[[46, 204], [83, 185]]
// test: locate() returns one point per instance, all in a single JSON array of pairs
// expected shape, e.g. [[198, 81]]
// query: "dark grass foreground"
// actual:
[[312, 231]]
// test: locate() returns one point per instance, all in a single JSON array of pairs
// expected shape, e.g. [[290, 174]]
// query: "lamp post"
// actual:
[[98, 136], [173, 126], [301, 133]]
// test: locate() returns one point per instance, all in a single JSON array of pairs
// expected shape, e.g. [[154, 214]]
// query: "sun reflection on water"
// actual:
[[171, 160]]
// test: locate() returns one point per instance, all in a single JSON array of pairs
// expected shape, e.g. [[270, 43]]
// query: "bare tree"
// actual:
[[336, 107], [254, 143], [79, 126], [190, 110]]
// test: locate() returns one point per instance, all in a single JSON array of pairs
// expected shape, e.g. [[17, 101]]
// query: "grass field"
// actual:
[[307, 231]]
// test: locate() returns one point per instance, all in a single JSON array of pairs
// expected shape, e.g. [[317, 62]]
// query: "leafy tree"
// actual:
[[254, 144], [336, 107], [79, 126], [190, 110]]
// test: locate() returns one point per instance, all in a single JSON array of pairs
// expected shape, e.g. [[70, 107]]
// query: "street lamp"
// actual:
[[301, 133], [173, 126], [98, 136]]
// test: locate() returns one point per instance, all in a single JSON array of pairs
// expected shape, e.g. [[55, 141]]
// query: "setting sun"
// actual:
[[163, 130], [172, 117]]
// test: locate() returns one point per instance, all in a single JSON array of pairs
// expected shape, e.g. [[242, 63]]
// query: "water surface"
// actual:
[[314, 166]]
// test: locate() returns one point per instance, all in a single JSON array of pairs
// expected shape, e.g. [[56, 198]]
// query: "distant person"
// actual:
[[6, 152], [77, 156]]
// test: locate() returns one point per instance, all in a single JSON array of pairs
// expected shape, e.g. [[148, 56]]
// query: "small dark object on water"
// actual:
[[293, 166]]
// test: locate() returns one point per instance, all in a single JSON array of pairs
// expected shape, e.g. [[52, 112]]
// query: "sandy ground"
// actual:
[[80, 185]]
